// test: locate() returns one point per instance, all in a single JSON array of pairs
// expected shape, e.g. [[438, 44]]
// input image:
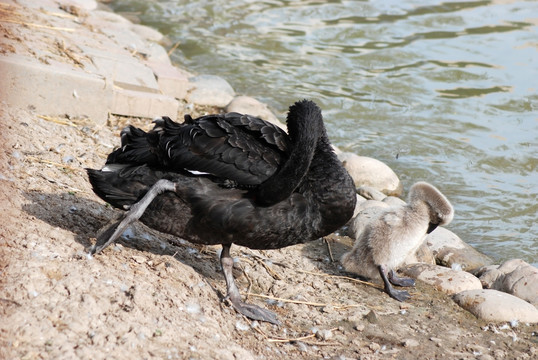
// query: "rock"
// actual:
[[442, 278], [422, 255], [366, 171], [449, 249], [172, 81], [210, 90], [249, 105], [410, 343], [146, 32], [83, 4], [28, 82], [515, 277], [371, 193], [493, 305]]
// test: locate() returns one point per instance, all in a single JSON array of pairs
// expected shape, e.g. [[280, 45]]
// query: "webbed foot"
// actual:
[[400, 295], [254, 312], [251, 311], [400, 281]]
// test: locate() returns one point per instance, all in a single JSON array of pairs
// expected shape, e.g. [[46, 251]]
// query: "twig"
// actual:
[[58, 121], [173, 48], [329, 248], [67, 167], [271, 272], [9, 301], [302, 338], [343, 277], [288, 300], [249, 281], [37, 25], [62, 15], [283, 340], [335, 306]]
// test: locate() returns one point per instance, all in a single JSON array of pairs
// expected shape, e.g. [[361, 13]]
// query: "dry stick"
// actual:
[[329, 248], [173, 48], [62, 15], [248, 279], [43, 161], [336, 306], [269, 270], [343, 277], [302, 338], [37, 25], [57, 121]]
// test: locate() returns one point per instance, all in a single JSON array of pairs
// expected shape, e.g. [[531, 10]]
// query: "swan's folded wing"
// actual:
[[237, 147]]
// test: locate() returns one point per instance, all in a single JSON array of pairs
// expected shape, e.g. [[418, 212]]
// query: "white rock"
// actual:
[[493, 305], [448, 249], [422, 255], [371, 193], [146, 32], [83, 4], [515, 277], [442, 278], [249, 105], [367, 171], [210, 90]]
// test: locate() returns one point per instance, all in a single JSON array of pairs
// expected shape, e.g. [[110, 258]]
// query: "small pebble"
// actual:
[[372, 317], [410, 343], [241, 325]]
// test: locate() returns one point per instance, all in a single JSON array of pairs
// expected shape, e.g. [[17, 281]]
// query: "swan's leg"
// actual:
[[135, 212], [400, 281], [251, 311], [400, 295]]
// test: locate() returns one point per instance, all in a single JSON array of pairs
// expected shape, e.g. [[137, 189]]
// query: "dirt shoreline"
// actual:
[[155, 296]]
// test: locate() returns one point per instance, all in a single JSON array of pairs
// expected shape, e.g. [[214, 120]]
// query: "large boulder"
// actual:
[[442, 278], [249, 105], [515, 277], [367, 171], [493, 305], [451, 251]]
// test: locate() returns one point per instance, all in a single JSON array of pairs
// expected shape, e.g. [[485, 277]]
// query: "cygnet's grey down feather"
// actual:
[[395, 233], [229, 179]]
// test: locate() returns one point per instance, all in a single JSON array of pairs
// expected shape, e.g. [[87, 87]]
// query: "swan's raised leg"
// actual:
[[400, 281], [251, 311], [400, 295], [135, 212]]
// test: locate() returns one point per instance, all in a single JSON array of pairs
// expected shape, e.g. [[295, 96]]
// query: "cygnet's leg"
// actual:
[[251, 311], [400, 295], [135, 212], [400, 281]]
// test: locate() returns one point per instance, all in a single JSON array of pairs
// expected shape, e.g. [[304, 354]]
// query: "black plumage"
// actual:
[[230, 179]]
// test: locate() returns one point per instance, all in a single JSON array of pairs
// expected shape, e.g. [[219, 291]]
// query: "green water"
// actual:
[[444, 92]]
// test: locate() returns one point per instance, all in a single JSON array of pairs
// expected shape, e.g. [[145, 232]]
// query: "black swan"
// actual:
[[229, 179], [396, 233]]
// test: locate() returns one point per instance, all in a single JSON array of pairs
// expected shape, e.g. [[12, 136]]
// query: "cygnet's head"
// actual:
[[440, 210]]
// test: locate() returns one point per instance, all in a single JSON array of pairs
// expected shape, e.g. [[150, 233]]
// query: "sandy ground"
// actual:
[[155, 296]]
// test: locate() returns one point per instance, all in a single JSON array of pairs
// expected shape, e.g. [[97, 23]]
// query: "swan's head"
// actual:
[[440, 210], [304, 119]]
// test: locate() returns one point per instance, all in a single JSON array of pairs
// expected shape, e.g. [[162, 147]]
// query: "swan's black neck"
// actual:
[[305, 128]]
